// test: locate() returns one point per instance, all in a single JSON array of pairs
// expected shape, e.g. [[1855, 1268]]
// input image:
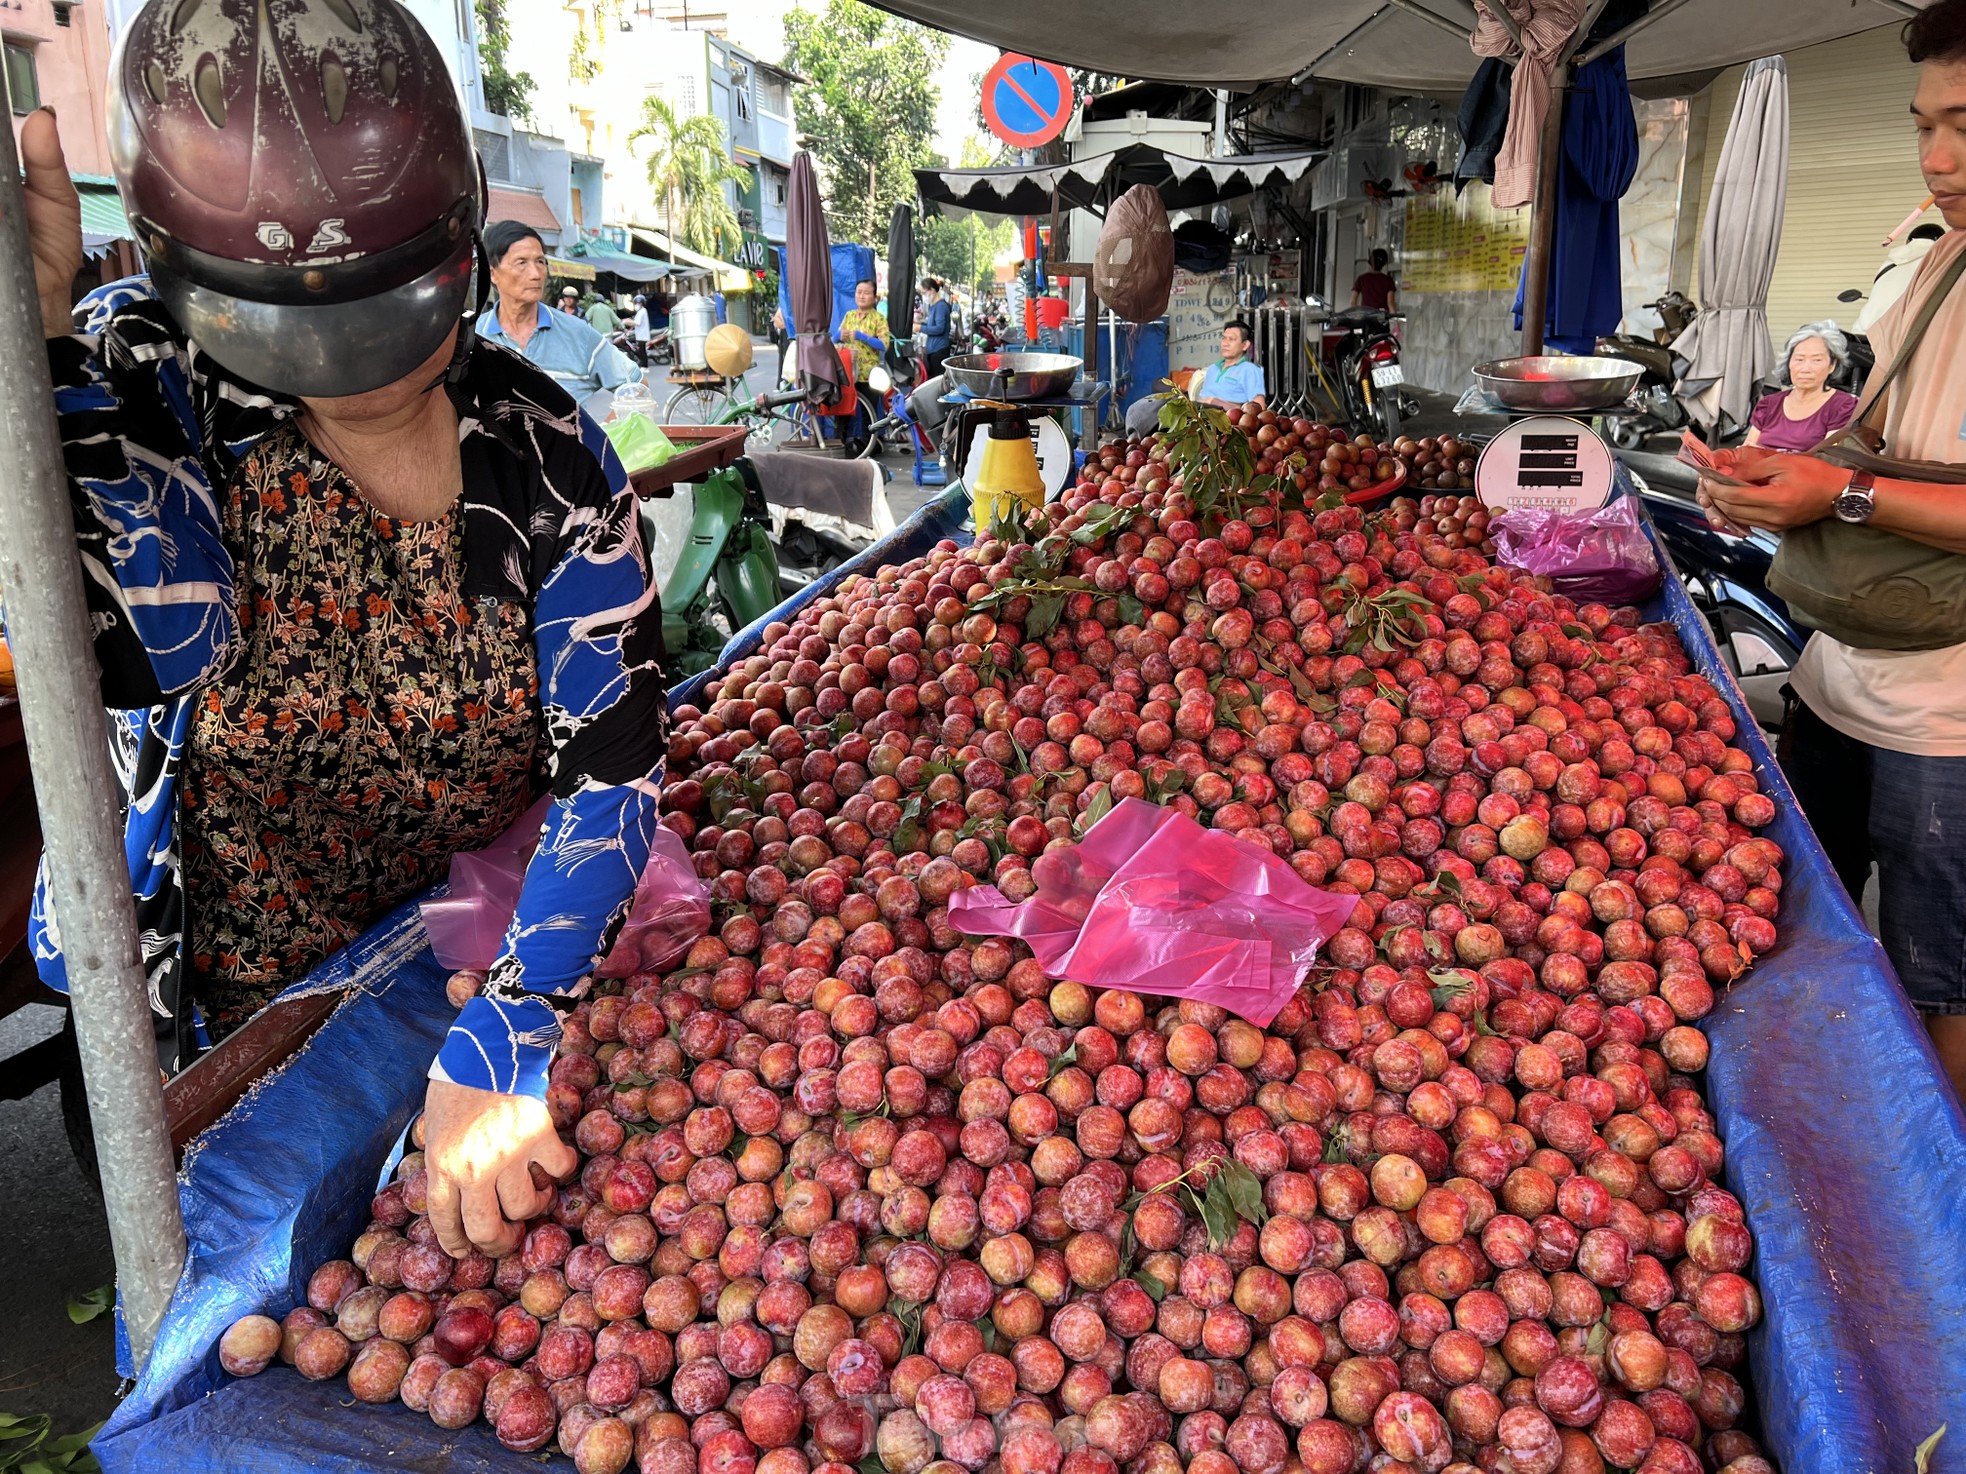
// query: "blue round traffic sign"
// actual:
[[1026, 102]]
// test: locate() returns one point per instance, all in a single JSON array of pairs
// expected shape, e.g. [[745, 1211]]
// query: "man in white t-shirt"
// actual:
[[1875, 745]]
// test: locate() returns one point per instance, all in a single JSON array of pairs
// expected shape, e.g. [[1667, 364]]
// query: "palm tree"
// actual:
[[689, 165]]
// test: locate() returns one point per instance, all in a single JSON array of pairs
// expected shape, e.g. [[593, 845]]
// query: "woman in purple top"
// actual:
[[1802, 417]]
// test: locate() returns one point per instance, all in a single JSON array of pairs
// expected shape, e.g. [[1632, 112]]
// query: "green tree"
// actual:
[[689, 165], [507, 93], [963, 251], [869, 108]]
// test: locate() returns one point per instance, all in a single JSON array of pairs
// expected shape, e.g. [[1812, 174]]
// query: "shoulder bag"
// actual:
[[1863, 586]]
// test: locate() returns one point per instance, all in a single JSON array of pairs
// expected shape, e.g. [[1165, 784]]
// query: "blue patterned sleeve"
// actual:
[[598, 628], [141, 480]]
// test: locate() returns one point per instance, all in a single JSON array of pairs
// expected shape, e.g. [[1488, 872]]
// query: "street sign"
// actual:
[[1550, 462], [1026, 102]]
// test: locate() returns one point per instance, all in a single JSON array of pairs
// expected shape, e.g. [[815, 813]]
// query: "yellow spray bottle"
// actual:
[[1009, 471]]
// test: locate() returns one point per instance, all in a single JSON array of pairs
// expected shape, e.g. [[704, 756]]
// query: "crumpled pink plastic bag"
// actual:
[[669, 915], [467, 926], [1151, 902], [1602, 556]]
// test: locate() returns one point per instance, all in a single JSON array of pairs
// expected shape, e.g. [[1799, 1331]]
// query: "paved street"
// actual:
[[57, 1246]]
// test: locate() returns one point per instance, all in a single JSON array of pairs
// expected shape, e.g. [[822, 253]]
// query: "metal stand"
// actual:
[[61, 709]]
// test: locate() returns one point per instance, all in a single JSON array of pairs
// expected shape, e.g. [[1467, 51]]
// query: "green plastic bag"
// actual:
[[639, 442]]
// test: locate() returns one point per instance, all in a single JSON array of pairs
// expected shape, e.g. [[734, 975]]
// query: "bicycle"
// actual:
[[765, 414], [698, 402]]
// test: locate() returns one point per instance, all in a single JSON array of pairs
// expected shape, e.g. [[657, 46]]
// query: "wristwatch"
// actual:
[[1858, 500]]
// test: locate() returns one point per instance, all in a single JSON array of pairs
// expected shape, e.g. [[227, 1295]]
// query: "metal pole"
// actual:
[[1618, 38], [61, 710], [1420, 12], [1542, 226]]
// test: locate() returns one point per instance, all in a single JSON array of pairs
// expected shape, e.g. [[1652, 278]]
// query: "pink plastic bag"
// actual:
[[1151, 902], [1602, 556], [670, 913], [467, 926]]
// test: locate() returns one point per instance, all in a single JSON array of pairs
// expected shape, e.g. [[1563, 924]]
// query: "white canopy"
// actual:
[[1386, 43]]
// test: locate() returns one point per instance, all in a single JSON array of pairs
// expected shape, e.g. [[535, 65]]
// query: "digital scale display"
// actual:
[[1549, 462]]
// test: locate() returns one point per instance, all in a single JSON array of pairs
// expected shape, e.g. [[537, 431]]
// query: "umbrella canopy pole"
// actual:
[[1542, 226], [61, 710]]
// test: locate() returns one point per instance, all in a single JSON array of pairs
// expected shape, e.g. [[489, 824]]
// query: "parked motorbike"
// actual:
[[1370, 377], [1655, 405], [658, 349], [892, 428], [713, 559], [1727, 578]]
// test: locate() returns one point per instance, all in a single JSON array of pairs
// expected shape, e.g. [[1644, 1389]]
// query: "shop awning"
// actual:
[[729, 277], [523, 205], [103, 220], [1384, 43], [605, 258], [1183, 183]]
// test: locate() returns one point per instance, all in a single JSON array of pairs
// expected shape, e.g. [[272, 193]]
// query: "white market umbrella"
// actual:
[[1727, 345]]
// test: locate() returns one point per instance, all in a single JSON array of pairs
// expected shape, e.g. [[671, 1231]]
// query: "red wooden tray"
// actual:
[[700, 449]]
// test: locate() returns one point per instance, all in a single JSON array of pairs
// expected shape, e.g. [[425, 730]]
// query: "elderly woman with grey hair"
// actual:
[[1807, 413]]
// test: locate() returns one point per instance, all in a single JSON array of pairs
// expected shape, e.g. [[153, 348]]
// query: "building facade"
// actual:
[[57, 55]]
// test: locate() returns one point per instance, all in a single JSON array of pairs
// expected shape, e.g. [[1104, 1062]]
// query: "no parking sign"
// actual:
[[1026, 102]]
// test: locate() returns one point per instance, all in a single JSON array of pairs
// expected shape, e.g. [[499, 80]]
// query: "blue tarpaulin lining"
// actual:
[[1842, 1141]]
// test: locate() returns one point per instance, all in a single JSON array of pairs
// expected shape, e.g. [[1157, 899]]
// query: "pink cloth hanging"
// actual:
[[1545, 25]]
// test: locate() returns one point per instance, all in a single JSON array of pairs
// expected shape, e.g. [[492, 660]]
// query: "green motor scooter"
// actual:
[[713, 556]]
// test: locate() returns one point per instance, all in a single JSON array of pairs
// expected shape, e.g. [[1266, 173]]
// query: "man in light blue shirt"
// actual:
[[1232, 381], [1229, 383], [582, 361]]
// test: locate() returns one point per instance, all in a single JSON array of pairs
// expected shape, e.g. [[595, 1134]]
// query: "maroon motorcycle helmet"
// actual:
[[301, 178]]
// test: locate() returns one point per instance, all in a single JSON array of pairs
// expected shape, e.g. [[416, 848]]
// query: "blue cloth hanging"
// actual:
[[1483, 122], [1600, 159]]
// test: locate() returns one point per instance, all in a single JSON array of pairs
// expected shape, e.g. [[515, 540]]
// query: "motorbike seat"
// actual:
[[1358, 317], [925, 404]]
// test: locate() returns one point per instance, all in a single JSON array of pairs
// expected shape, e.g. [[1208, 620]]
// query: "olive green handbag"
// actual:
[[1863, 586]]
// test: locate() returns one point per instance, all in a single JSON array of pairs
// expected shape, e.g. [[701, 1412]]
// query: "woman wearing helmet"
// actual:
[[364, 585]]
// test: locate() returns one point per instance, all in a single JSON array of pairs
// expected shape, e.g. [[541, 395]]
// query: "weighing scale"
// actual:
[[1550, 462], [1550, 456]]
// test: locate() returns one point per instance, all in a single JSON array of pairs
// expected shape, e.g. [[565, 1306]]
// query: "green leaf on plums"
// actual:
[[1148, 1281], [1101, 521], [871, 1465], [1444, 883], [1449, 984], [1577, 632], [908, 833], [1337, 1146], [1244, 1190], [1100, 806], [1216, 1216]]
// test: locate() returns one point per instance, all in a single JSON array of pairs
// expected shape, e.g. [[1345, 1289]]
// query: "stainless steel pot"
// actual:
[[1013, 375], [1558, 384]]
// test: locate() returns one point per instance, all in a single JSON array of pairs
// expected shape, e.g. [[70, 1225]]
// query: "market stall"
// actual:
[[1852, 1365], [1849, 1321]]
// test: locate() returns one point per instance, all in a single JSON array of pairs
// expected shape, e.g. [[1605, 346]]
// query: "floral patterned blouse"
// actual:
[[212, 631], [373, 720]]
